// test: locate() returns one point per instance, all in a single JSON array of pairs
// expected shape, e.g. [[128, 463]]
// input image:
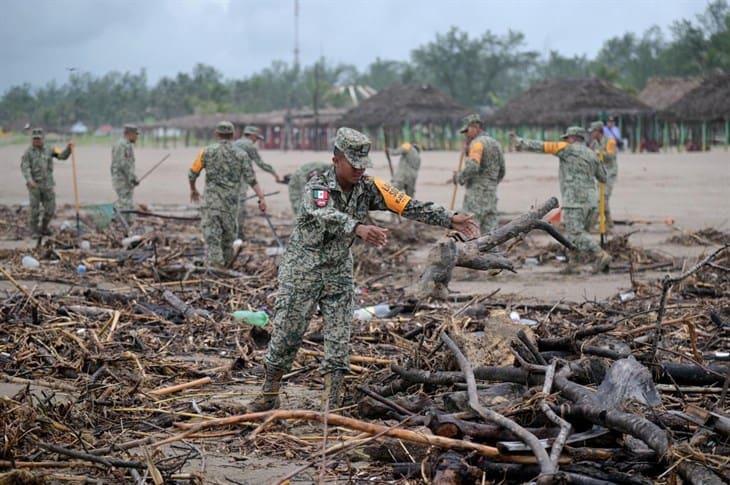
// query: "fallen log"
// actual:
[[449, 253]]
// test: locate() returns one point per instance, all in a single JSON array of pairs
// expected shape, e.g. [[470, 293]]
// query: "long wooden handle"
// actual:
[[456, 186], [153, 168], [602, 210], [76, 184]]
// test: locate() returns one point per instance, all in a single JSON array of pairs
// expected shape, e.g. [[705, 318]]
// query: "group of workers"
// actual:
[[331, 203]]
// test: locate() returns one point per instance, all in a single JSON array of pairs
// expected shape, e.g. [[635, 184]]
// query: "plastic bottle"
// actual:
[[81, 270], [367, 313], [258, 319], [30, 262], [128, 242]]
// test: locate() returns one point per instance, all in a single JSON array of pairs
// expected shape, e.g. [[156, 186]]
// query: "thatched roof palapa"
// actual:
[[565, 101], [662, 92], [401, 103], [708, 101], [300, 118]]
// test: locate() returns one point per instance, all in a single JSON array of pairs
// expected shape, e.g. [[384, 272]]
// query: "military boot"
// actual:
[[269, 397], [603, 259], [333, 389]]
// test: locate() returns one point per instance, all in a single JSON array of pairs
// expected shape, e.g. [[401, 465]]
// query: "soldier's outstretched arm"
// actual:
[[63, 154], [539, 146], [383, 196], [194, 173]]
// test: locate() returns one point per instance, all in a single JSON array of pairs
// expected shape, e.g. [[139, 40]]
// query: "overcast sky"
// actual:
[[40, 38]]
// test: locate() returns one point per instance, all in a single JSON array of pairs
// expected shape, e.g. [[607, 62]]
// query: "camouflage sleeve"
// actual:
[[119, 162], [470, 171], [495, 156], [247, 173], [25, 166], [62, 154], [600, 170], [530, 145], [389, 198], [197, 167], [317, 204], [253, 154]]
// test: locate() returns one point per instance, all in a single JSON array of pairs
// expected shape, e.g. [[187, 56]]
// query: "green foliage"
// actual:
[[477, 71]]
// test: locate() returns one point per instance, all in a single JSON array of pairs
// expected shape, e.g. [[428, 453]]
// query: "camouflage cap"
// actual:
[[574, 131], [224, 128], [128, 128], [355, 146], [596, 125], [253, 130], [468, 120], [37, 133]]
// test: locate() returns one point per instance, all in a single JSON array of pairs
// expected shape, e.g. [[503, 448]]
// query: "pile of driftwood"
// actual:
[[134, 371]]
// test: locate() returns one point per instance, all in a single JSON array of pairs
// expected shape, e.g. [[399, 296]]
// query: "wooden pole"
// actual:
[[681, 136], [727, 133], [456, 186], [76, 191], [704, 136]]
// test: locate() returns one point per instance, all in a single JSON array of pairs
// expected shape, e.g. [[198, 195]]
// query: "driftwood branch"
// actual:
[[448, 253], [547, 468], [667, 283]]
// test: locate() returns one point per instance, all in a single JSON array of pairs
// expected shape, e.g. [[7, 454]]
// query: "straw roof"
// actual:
[[661, 92], [708, 101], [566, 101], [401, 103], [300, 118]]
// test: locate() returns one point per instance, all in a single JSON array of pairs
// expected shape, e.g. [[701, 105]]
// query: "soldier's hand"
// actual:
[[465, 224], [194, 196], [31, 184], [135, 182], [262, 206], [377, 236]]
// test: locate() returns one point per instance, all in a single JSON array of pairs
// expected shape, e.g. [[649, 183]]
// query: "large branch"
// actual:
[[547, 468], [449, 253]]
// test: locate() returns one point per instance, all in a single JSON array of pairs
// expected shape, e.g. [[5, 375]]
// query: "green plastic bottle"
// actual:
[[259, 319]]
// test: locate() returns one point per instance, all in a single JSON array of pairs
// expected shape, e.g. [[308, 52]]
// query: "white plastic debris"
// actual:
[[127, 242], [237, 243], [626, 296], [514, 316], [30, 262], [85, 245]]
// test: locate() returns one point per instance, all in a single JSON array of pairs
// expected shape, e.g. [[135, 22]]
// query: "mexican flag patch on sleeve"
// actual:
[[321, 197]]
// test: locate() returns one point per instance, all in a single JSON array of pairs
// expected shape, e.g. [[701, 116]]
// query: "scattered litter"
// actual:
[[30, 262]]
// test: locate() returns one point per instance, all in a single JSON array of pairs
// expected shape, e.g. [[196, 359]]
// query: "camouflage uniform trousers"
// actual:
[[482, 204], [42, 206], [576, 220], [219, 231], [125, 198], [294, 308]]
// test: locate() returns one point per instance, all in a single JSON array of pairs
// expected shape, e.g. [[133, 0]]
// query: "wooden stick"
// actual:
[[456, 186], [334, 420], [547, 468], [76, 191], [21, 289], [59, 386], [360, 359], [163, 391], [154, 167]]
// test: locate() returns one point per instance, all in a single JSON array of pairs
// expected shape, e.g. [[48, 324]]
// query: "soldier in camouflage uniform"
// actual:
[[123, 178], [483, 170], [579, 170], [299, 179], [408, 165], [37, 168], [606, 150], [247, 143], [225, 168], [316, 268]]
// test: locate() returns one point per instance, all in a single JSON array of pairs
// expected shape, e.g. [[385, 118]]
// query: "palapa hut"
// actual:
[[308, 130], [414, 112], [703, 113], [548, 107], [661, 92]]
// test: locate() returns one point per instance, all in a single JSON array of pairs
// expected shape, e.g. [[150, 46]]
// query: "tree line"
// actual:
[[477, 71]]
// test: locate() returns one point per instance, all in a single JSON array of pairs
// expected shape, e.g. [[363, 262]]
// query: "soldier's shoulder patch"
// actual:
[[406, 147], [321, 196]]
